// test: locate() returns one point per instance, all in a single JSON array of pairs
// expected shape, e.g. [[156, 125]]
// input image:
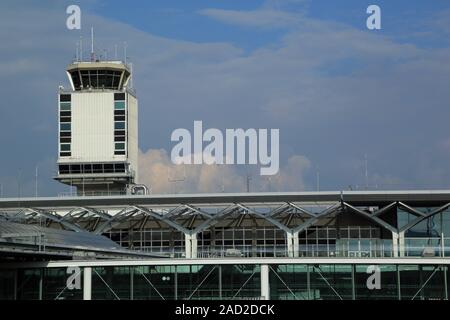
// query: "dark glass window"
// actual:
[[119, 125], [65, 98], [65, 134], [65, 154], [76, 79], [65, 126], [65, 119], [119, 153], [119, 132], [119, 112], [65, 147], [76, 168], [97, 168], [119, 96], [109, 168], [87, 168], [119, 139], [64, 169], [65, 106], [65, 140], [120, 146], [119, 167], [65, 113], [119, 118]]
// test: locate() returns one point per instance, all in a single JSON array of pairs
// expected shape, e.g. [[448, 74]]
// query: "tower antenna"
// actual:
[[366, 171], [125, 52], [77, 57], [92, 45], [81, 48]]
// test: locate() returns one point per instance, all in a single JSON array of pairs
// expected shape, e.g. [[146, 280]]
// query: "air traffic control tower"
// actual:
[[98, 128]]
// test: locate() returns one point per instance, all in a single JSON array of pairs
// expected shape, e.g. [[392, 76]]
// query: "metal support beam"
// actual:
[[191, 245], [87, 283], [395, 244], [265, 286]]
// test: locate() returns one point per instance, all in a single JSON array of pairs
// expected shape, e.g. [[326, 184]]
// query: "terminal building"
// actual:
[[112, 240], [313, 245]]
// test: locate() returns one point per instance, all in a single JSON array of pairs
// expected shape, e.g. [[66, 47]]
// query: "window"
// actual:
[[65, 119], [119, 167], [119, 105], [64, 169], [65, 147], [119, 153], [65, 154], [119, 96], [64, 134], [117, 139], [87, 168], [119, 118], [65, 126], [119, 125], [65, 98], [65, 106], [120, 146], [65, 140]]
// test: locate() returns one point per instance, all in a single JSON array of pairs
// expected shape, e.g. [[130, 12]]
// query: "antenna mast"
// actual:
[[125, 52], [92, 45], [81, 48]]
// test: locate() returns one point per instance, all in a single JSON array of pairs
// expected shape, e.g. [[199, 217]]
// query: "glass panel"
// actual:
[[154, 283], [119, 125], [241, 282], [65, 126], [366, 282], [330, 282], [65, 147], [197, 282], [65, 106], [111, 283], [28, 284], [120, 146], [55, 284], [7, 285], [289, 282], [119, 105]]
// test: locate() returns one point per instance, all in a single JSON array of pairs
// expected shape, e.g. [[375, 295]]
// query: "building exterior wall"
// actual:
[[92, 127], [132, 134]]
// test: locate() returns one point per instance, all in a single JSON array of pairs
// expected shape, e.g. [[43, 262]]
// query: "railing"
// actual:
[[345, 248]]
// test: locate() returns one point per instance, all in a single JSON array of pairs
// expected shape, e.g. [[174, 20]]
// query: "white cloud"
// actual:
[[158, 172], [265, 17]]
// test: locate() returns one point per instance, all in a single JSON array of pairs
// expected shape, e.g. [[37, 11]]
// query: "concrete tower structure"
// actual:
[[98, 128]]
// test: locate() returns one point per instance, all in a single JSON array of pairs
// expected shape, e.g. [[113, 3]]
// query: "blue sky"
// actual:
[[336, 90]]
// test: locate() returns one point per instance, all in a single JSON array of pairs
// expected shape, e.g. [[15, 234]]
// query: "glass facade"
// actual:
[[233, 282]]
